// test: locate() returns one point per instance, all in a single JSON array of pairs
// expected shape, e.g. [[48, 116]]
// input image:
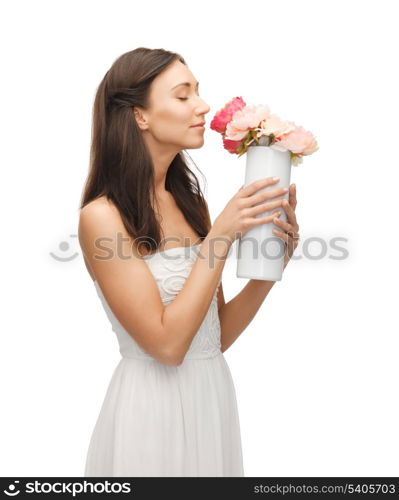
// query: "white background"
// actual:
[[316, 372]]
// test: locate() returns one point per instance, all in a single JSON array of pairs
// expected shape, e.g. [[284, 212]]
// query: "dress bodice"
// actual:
[[170, 269]]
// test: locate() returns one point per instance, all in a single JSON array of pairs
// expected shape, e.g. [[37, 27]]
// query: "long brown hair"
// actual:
[[121, 167]]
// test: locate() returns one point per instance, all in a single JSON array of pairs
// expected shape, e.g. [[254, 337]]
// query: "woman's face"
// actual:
[[174, 109]]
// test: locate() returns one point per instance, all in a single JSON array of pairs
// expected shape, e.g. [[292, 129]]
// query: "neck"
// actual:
[[162, 156]]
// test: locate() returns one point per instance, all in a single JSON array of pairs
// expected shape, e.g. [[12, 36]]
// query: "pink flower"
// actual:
[[245, 119], [243, 126], [276, 126], [222, 117], [298, 141], [231, 146]]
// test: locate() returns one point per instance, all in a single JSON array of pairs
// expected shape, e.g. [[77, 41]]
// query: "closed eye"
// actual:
[[185, 98]]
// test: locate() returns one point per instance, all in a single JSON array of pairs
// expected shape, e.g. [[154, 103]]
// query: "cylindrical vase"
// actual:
[[261, 252]]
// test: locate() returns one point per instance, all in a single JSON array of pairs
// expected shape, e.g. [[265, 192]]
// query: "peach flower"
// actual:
[[276, 126], [298, 141], [242, 126], [244, 120]]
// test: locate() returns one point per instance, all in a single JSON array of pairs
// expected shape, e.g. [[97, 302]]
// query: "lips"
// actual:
[[198, 125]]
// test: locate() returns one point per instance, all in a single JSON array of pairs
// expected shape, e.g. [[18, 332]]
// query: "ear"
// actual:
[[140, 118]]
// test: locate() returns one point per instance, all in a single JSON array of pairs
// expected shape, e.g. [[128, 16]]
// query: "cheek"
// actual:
[[176, 113], [172, 119]]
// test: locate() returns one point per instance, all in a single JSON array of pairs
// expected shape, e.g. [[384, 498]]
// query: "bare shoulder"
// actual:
[[101, 204], [125, 280], [100, 211], [100, 223]]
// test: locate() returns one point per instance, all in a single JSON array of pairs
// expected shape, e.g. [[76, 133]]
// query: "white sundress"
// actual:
[[161, 420]]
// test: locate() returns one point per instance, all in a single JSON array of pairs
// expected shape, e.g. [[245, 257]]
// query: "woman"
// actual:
[[170, 408]]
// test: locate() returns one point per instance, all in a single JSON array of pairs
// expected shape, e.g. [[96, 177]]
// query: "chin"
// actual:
[[195, 144]]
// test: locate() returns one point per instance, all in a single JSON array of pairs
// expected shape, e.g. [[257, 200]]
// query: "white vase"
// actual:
[[260, 251]]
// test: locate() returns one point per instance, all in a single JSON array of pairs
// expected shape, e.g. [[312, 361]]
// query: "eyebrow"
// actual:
[[187, 84]]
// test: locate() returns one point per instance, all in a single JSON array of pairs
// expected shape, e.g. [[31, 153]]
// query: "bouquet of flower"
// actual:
[[242, 126]]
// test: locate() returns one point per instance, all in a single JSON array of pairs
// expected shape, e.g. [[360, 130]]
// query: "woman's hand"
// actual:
[[289, 230], [240, 213]]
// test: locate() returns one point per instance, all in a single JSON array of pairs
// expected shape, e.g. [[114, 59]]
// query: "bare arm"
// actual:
[[183, 317], [236, 314], [239, 312], [132, 293], [130, 288]]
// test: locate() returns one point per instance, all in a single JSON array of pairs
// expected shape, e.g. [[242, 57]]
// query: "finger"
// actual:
[[256, 185], [291, 230], [283, 224], [289, 240], [284, 236], [263, 207], [292, 196], [266, 195], [290, 213], [257, 221]]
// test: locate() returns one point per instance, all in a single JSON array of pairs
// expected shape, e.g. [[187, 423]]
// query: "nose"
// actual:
[[203, 108]]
